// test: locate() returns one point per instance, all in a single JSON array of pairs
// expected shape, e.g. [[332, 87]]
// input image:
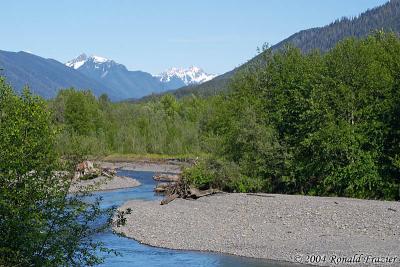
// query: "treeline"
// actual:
[[96, 126], [317, 124]]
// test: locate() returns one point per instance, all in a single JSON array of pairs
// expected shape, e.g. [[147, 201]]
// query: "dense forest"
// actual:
[[319, 124], [316, 123], [99, 127]]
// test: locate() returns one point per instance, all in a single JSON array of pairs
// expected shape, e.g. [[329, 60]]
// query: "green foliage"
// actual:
[[98, 127], [201, 176], [219, 173], [40, 224], [315, 124]]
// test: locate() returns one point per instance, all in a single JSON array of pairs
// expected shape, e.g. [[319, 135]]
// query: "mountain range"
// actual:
[[46, 77], [385, 17], [101, 75], [134, 84]]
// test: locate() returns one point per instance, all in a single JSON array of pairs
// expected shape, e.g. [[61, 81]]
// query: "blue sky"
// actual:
[[153, 35]]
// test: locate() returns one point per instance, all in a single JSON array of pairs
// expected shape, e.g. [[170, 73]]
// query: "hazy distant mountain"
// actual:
[[44, 76], [385, 17]]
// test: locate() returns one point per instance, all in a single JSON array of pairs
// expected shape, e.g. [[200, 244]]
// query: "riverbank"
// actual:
[[170, 166], [277, 227], [103, 183]]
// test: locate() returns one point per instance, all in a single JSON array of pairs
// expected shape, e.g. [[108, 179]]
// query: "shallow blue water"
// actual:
[[136, 254]]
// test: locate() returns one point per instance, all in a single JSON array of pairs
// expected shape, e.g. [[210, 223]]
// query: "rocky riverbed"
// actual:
[[325, 231], [103, 183]]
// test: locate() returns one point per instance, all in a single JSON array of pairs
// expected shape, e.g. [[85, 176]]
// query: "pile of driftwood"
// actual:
[[165, 181], [173, 186], [86, 170]]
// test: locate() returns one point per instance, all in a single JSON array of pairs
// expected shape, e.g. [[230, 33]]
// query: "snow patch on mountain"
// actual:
[[76, 63], [189, 76], [98, 59]]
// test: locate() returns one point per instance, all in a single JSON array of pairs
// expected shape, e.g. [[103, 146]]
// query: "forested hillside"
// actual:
[[385, 17]]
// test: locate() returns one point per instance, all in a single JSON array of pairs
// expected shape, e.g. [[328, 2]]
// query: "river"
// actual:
[[136, 254]]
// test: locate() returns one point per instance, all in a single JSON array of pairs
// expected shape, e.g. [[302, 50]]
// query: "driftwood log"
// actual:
[[196, 193], [108, 172], [87, 170], [181, 189], [168, 199]]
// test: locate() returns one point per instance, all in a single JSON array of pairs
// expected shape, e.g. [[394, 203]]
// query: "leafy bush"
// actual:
[[40, 223], [218, 173]]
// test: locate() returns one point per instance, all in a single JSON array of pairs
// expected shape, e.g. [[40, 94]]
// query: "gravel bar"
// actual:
[[326, 231], [103, 183]]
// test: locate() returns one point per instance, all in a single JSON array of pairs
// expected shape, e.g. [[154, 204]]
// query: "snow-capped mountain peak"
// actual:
[[103, 70], [76, 63], [191, 75]]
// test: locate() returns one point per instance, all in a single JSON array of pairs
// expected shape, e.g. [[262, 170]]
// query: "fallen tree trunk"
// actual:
[[196, 193], [163, 187]]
